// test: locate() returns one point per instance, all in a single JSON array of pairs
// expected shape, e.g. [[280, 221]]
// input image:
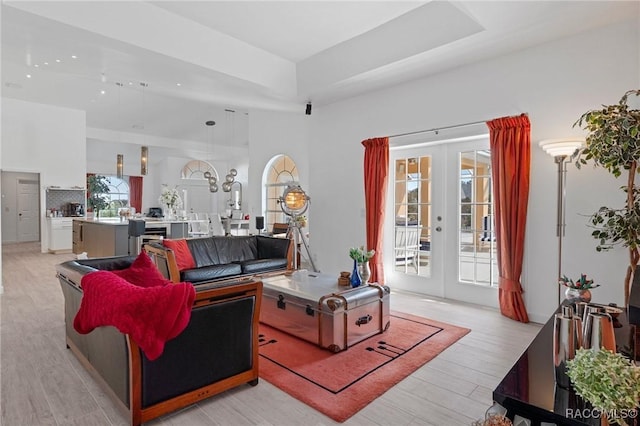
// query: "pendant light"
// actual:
[[120, 166], [213, 181], [119, 157], [144, 157], [144, 150]]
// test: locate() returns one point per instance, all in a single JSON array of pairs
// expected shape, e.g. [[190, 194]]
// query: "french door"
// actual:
[[439, 237]]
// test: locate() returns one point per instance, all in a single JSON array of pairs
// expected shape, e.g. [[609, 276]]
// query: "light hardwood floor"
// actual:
[[44, 384]]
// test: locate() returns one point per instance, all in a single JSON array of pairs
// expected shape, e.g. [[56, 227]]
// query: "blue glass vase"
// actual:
[[355, 275]]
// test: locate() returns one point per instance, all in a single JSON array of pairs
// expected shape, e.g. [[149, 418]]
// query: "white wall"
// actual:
[[44, 139], [271, 134], [554, 83]]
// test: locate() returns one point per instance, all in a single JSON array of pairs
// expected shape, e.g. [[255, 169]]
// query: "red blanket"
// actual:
[[150, 315]]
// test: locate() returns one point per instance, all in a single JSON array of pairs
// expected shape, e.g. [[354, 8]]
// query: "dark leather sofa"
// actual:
[[217, 350], [223, 257]]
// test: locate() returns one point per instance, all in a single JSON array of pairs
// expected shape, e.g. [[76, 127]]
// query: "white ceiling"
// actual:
[[242, 55]]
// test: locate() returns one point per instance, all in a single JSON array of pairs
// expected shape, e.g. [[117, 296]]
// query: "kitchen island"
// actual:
[[110, 236]]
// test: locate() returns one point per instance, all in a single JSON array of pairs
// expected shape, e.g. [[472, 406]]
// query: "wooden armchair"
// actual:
[[407, 245]]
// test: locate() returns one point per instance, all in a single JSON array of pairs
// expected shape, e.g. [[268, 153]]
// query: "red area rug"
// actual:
[[339, 385]]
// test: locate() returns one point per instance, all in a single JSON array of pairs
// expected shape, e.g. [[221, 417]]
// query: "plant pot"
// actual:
[[574, 295]]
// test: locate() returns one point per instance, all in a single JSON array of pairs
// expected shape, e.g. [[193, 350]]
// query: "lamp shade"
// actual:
[[561, 147]]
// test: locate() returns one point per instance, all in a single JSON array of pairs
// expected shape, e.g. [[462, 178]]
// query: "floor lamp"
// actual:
[[563, 151]]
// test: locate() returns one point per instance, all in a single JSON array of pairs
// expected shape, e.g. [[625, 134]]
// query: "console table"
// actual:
[[529, 388]]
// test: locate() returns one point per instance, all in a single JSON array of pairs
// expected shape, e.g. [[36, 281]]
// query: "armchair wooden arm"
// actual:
[[165, 260]]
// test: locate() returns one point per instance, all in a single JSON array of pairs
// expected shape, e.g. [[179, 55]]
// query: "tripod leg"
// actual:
[[293, 236], [306, 247]]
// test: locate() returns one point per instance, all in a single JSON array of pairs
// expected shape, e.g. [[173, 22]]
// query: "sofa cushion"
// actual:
[[184, 259], [142, 272], [209, 273], [204, 251], [269, 247], [236, 249], [261, 265]]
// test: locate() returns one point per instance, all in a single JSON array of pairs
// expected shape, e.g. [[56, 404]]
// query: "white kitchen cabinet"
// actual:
[[60, 234]]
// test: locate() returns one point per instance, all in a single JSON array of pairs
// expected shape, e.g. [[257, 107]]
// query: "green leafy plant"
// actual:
[[360, 254], [301, 221], [582, 283], [609, 381], [97, 188], [613, 142]]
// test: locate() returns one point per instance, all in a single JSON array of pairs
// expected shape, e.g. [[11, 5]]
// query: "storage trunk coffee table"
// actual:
[[316, 309]]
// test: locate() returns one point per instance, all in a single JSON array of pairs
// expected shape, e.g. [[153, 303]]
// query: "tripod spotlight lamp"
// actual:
[[294, 202], [563, 151]]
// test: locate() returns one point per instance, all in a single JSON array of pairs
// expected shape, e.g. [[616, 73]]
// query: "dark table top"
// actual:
[[529, 388]]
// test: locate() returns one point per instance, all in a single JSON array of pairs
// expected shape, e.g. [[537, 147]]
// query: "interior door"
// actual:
[[28, 201]]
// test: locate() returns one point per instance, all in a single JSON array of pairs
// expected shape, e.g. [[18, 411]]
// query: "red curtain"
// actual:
[[376, 172], [135, 193], [510, 139]]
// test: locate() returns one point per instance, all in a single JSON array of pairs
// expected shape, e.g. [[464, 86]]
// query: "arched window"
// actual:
[[195, 169], [198, 199], [279, 172], [117, 197]]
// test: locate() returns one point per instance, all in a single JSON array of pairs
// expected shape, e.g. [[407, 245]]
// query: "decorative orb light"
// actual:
[[213, 187], [233, 172], [226, 186], [207, 175]]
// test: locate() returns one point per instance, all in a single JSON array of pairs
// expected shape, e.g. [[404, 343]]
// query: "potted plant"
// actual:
[[301, 221], [578, 291], [361, 259], [608, 380], [97, 188], [613, 142]]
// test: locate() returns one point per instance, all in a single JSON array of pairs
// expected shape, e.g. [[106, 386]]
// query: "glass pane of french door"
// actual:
[[412, 226], [477, 261]]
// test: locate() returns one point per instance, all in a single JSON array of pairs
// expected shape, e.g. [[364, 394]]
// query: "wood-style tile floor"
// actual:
[[44, 384]]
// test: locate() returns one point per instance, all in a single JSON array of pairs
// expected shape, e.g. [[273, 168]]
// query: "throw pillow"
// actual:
[[142, 272], [184, 259]]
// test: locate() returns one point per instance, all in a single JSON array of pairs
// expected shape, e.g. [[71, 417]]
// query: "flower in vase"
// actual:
[[170, 197]]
